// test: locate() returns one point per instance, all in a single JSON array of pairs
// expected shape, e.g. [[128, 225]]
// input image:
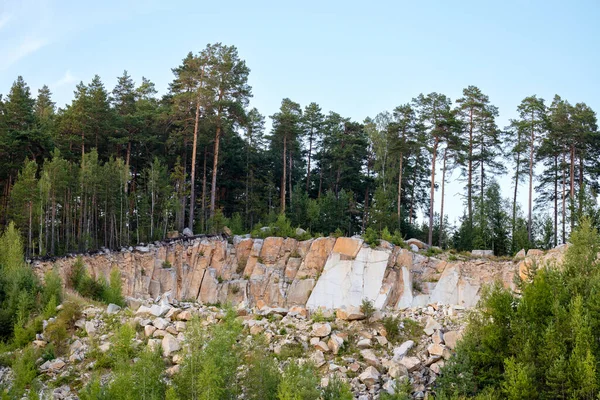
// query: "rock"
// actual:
[[187, 232], [390, 387], [370, 357], [227, 231], [381, 340], [411, 363], [403, 349], [414, 248], [318, 358], [364, 344], [185, 315], [53, 365], [370, 376], [350, 313], [159, 310], [438, 337], [40, 344], [451, 338], [113, 308], [173, 370], [172, 234], [321, 345], [320, 330], [418, 243], [520, 255], [431, 326], [335, 343], [300, 232], [256, 329], [435, 367], [104, 347], [535, 253], [435, 349], [298, 311], [170, 345], [397, 371], [149, 330], [482, 253], [90, 328], [160, 323], [143, 310], [180, 326]]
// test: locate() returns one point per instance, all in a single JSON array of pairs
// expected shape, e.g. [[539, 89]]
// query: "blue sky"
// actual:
[[357, 58]]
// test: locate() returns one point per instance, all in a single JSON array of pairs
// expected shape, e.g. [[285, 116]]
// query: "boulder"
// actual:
[[370, 376], [397, 371], [169, 345], [520, 255], [350, 313], [414, 247], [451, 338], [411, 363], [364, 344], [320, 330], [318, 358], [535, 253], [435, 349], [113, 308], [335, 343], [420, 245], [187, 232], [160, 323], [431, 326], [482, 253], [403, 349], [90, 328], [370, 357]]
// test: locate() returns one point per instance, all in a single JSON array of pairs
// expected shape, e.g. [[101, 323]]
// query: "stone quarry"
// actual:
[[301, 293]]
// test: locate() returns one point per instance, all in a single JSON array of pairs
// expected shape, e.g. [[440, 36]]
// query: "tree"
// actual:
[[286, 129], [313, 122], [532, 114]]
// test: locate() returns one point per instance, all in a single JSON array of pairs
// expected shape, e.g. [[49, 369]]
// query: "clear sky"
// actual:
[[356, 58]]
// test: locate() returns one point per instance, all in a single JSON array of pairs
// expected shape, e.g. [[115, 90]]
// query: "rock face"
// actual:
[[283, 272]]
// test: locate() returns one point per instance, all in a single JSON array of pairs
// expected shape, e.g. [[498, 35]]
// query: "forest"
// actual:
[[127, 165]]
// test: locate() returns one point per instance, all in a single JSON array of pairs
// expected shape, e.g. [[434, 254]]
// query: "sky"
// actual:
[[357, 58]]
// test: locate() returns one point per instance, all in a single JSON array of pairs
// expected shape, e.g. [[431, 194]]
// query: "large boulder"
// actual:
[[370, 376], [418, 243]]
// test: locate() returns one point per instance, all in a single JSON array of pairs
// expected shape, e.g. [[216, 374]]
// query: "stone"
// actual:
[[170, 345], [403, 349], [40, 344], [347, 246], [227, 231], [298, 311], [149, 330], [397, 371], [256, 329], [370, 357], [159, 310], [185, 315], [370, 376], [180, 326], [431, 326], [435, 367], [390, 387], [381, 340], [535, 253], [160, 323], [482, 253], [172, 234], [411, 363], [187, 232], [435, 349], [349, 313], [300, 232], [53, 365], [159, 333], [318, 358], [421, 245], [113, 308], [520, 255], [438, 337], [451, 338], [143, 310], [414, 247], [322, 346], [321, 329], [364, 344], [104, 347], [90, 328], [335, 343]]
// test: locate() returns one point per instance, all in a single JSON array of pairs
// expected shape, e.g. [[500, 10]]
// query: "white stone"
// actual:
[[431, 326], [169, 345], [401, 351], [113, 308], [160, 323], [364, 344], [411, 363], [370, 376], [370, 357], [349, 282], [90, 328]]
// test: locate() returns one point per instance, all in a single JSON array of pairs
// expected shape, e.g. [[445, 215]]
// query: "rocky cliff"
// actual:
[[278, 272]]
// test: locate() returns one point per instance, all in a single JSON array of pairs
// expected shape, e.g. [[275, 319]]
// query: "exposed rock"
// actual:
[[370, 357], [535, 253], [431, 326], [370, 376], [169, 345], [482, 253], [411, 363], [320, 330], [414, 247], [112, 309], [421, 245], [318, 358], [90, 328], [403, 349], [187, 232], [335, 343], [349, 313], [451, 338], [435, 349]]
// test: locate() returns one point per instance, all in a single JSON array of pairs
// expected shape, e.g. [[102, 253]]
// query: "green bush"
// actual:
[[392, 327], [299, 382], [24, 371], [402, 391], [371, 237], [367, 308], [337, 389], [113, 293], [262, 377]]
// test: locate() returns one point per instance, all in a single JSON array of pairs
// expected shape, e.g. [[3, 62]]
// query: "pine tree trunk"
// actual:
[[193, 174], [203, 202], [213, 191], [564, 200], [531, 153], [310, 140], [572, 183], [470, 171], [290, 178], [432, 193], [514, 210], [442, 199], [399, 211], [283, 176], [555, 200]]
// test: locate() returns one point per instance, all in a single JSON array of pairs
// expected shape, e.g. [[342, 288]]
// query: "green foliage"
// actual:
[[299, 382], [236, 224], [392, 328], [262, 377], [113, 293], [337, 389], [371, 237], [539, 344], [367, 308], [209, 370], [402, 391], [24, 370]]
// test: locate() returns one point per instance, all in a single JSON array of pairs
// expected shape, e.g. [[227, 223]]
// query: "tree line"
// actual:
[[114, 168]]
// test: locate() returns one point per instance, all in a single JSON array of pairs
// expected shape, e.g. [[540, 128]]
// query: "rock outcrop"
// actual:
[[282, 272]]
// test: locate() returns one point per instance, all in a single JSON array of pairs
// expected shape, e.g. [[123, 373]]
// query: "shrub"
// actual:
[[24, 371], [291, 350], [371, 238], [392, 327], [262, 376], [113, 293], [367, 308], [402, 391], [300, 382], [337, 389]]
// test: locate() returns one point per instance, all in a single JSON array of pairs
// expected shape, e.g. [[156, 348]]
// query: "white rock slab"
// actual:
[[446, 290], [348, 282]]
